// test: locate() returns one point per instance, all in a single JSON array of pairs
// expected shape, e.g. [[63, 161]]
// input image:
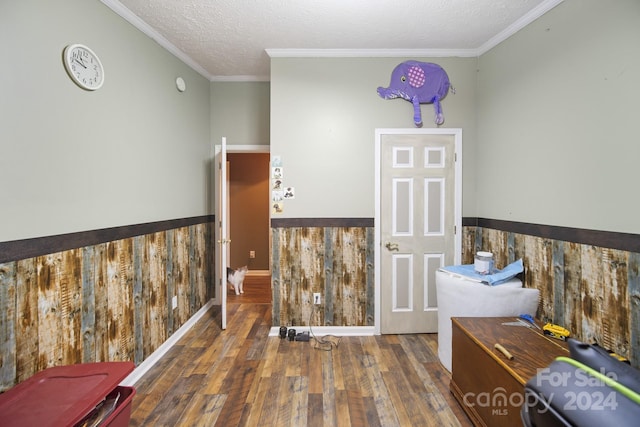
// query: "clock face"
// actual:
[[83, 66]]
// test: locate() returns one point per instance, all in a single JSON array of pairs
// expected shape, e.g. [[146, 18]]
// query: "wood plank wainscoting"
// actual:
[[332, 256], [589, 281], [102, 295]]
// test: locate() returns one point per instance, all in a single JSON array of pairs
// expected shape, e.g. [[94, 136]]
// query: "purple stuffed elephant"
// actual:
[[420, 83]]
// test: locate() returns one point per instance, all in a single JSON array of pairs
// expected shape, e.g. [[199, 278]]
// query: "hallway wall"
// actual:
[[249, 193]]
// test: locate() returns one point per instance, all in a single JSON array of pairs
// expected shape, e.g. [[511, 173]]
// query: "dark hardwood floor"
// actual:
[[243, 377], [257, 290]]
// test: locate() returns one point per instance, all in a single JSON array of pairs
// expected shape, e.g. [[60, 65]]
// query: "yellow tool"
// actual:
[[556, 331]]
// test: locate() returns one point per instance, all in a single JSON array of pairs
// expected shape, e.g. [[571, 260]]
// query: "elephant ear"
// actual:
[[416, 76]]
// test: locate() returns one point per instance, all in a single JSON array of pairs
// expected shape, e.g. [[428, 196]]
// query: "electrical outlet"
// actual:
[[174, 302], [252, 254], [316, 298]]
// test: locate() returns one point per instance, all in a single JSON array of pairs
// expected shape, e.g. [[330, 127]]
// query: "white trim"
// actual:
[[527, 19], [255, 148], [457, 133], [369, 53], [241, 148], [235, 79], [145, 28], [155, 357], [137, 22], [376, 234], [223, 238], [339, 331]]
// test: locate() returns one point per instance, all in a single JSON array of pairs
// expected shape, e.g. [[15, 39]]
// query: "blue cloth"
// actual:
[[497, 278]]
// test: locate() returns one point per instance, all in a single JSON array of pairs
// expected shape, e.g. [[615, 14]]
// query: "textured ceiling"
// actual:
[[233, 39]]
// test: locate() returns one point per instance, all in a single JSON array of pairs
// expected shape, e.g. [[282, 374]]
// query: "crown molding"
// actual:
[[368, 53], [527, 19], [145, 28], [240, 78], [134, 20], [534, 14]]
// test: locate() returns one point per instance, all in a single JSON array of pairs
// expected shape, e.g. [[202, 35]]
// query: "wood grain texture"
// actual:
[[155, 298], [26, 324], [586, 288], [7, 322], [468, 244], [334, 261], [614, 273], [572, 285], [180, 278], [490, 385], [634, 297], [50, 345], [562, 269], [201, 257], [106, 302], [242, 377]]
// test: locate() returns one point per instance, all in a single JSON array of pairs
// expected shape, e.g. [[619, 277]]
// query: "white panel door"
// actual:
[[418, 220]]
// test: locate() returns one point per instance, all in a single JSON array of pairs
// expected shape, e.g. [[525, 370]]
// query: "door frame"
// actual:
[[457, 134], [230, 149]]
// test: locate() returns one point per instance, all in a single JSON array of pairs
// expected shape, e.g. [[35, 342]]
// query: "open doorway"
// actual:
[[248, 224]]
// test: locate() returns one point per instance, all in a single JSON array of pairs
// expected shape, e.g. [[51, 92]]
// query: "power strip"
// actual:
[[302, 336]]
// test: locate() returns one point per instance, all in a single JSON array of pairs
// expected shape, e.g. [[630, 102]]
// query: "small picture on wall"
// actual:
[[277, 172], [277, 184], [276, 161], [289, 193], [277, 195], [277, 208]]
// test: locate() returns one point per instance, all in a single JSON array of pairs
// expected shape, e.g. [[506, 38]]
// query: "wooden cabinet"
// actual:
[[489, 386]]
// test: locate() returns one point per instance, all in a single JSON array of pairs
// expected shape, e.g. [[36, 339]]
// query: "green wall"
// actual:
[[548, 119], [558, 120], [324, 113], [73, 160], [240, 112]]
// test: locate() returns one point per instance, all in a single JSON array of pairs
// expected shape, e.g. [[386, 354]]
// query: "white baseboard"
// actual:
[[339, 331], [154, 357], [149, 362]]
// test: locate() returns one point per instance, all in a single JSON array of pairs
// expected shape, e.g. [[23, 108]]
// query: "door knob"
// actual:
[[392, 246]]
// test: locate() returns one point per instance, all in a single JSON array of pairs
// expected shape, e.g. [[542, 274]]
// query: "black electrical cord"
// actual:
[[322, 343]]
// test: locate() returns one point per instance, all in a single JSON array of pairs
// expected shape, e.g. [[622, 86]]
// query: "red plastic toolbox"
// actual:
[[70, 396]]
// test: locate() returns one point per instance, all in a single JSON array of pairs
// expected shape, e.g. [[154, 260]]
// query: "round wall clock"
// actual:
[[83, 66]]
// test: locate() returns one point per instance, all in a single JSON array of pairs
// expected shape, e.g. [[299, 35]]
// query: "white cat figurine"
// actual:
[[235, 278]]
